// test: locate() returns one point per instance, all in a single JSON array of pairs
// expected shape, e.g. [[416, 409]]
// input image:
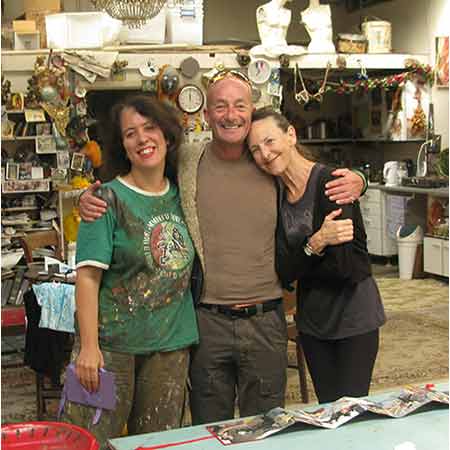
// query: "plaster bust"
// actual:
[[317, 21], [273, 21]]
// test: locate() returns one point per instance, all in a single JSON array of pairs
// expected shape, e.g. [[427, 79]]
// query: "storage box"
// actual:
[[41, 5], [26, 41], [24, 26], [152, 32], [81, 30], [39, 18], [184, 23]]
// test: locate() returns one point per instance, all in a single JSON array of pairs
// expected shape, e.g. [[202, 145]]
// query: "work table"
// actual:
[[436, 192]]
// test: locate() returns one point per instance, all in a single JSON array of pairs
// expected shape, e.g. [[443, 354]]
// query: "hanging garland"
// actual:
[[424, 72]]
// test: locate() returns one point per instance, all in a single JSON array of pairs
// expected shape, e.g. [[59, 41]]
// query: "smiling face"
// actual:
[[143, 141], [229, 110], [271, 146]]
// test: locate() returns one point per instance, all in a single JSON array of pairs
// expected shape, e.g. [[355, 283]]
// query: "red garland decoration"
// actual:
[[423, 72]]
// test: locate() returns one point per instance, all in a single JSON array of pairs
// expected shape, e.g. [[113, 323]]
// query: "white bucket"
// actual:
[[407, 249], [378, 34]]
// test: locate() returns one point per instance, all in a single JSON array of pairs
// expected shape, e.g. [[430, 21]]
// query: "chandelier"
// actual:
[[133, 13]]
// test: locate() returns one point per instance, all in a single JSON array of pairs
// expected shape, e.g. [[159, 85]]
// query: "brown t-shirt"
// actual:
[[237, 213]]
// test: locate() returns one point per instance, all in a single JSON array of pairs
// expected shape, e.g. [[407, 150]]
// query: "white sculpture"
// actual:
[[317, 21], [273, 21]]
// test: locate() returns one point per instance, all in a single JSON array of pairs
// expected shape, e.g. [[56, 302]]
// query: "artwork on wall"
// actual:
[[441, 66]]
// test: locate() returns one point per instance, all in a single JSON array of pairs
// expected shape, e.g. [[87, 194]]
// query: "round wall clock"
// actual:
[[259, 71], [190, 99]]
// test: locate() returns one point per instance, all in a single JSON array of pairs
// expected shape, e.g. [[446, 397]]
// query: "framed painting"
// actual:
[[441, 66]]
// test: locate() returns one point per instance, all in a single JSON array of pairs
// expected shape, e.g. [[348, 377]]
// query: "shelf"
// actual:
[[356, 141], [19, 138], [21, 208]]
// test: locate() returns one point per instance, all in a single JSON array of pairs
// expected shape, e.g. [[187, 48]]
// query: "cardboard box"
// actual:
[[39, 18], [24, 26], [42, 5]]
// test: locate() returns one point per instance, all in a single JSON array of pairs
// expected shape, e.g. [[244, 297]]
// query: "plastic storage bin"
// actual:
[[409, 237], [47, 435], [185, 23], [152, 32], [81, 30]]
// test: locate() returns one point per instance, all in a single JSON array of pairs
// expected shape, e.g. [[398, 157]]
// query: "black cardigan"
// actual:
[[340, 264]]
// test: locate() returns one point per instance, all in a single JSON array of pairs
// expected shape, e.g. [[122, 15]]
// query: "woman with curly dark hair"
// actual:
[[134, 307]]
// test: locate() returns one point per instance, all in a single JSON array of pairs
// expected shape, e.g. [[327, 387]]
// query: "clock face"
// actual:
[[190, 99], [259, 71]]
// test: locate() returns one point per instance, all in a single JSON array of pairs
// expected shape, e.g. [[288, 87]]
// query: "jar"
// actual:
[[351, 43]]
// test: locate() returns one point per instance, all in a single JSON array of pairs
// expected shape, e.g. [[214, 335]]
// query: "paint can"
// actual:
[[378, 34]]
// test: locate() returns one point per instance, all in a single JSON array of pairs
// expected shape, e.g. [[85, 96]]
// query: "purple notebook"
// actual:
[[74, 391]]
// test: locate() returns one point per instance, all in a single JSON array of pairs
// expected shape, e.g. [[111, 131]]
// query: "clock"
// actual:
[[259, 71], [190, 99]]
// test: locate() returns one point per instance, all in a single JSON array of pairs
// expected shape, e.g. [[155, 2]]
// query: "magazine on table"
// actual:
[[328, 416]]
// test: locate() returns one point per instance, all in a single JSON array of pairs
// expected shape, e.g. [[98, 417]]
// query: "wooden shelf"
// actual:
[[21, 208], [19, 138], [356, 141]]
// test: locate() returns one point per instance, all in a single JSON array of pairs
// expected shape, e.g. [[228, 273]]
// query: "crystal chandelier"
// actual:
[[133, 13]]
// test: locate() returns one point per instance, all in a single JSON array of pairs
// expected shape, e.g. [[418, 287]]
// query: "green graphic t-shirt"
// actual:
[[144, 248]]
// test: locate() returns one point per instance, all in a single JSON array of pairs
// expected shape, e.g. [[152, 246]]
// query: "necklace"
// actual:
[[304, 96]]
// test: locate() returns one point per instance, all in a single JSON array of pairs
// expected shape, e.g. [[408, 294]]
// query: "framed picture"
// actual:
[[441, 66], [8, 128], [34, 115], [12, 171], [25, 171], [17, 101], [63, 160], [77, 162], [37, 173], [58, 175], [45, 144], [26, 186], [43, 129]]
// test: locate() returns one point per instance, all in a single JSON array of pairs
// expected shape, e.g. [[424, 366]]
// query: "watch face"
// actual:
[[259, 71], [190, 99]]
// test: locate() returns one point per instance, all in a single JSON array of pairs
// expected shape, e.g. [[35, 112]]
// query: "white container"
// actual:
[[81, 30], [152, 32], [407, 249], [378, 34], [185, 23], [26, 40]]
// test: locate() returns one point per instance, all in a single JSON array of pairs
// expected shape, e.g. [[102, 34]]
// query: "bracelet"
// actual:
[[309, 251]]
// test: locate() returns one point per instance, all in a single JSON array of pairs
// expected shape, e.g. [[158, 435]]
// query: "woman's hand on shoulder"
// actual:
[[335, 231], [87, 366], [91, 207]]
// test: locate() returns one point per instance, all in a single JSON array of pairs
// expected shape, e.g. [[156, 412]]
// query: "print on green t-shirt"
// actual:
[[143, 245]]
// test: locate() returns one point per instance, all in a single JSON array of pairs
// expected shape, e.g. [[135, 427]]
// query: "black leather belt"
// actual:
[[245, 311]]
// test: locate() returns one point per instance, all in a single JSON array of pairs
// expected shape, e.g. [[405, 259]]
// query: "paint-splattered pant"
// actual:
[[150, 395]]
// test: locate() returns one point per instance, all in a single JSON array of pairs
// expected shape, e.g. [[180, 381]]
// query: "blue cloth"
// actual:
[[57, 302]]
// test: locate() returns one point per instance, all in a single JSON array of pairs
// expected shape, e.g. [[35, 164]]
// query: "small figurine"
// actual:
[[273, 21], [317, 21]]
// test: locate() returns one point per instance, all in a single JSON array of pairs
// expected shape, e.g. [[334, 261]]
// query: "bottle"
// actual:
[[430, 125]]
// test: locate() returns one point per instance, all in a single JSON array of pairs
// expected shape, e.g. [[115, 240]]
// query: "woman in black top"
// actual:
[[339, 305]]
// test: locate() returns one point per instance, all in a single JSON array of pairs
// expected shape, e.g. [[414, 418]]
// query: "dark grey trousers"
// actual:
[[150, 394], [243, 357]]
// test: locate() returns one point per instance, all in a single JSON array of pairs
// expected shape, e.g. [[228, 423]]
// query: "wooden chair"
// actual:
[[290, 308], [40, 239], [45, 390]]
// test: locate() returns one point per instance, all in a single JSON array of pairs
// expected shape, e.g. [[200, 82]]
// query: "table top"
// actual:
[[427, 428]]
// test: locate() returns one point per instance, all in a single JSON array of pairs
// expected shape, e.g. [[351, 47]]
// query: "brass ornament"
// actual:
[[60, 114]]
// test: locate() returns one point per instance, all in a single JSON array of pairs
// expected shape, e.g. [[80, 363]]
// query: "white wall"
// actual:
[[439, 13]]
